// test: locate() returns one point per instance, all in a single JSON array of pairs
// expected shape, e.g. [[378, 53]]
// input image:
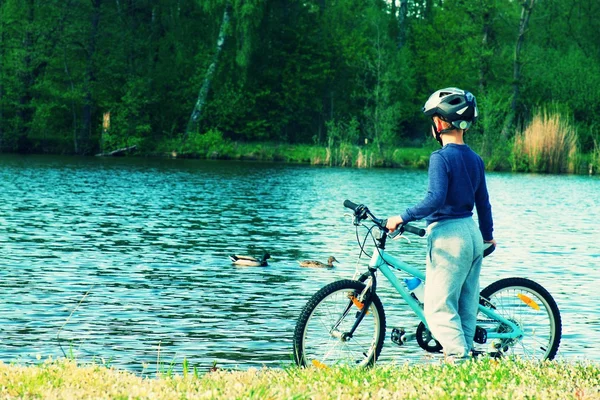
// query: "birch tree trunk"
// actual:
[[203, 94], [527, 7]]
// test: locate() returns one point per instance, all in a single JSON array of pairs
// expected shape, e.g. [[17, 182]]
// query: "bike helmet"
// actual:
[[453, 105]]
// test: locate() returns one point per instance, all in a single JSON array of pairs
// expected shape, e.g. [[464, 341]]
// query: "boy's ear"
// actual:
[[439, 124]]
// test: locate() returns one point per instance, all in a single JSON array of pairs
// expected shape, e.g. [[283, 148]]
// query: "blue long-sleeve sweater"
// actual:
[[456, 183]]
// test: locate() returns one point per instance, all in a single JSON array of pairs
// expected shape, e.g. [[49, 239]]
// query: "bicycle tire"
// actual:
[[314, 342], [527, 304]]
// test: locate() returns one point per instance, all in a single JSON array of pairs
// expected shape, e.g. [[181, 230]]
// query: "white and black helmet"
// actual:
[[453, 105]]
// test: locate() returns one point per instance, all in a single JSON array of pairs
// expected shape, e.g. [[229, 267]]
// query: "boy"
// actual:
[[455, 243]]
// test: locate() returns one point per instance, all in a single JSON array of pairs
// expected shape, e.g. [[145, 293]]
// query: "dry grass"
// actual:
[[548, 144]]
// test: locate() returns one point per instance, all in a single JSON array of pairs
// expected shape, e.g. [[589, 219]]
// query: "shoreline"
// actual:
[[343, 155]]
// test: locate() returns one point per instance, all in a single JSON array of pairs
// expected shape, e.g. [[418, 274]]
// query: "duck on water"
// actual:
[[248, 261], [318, 264]]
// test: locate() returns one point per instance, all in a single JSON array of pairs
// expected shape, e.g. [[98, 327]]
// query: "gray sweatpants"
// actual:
[[455, 251]]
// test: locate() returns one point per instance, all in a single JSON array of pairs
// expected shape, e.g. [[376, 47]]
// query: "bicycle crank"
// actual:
[[426, 340]]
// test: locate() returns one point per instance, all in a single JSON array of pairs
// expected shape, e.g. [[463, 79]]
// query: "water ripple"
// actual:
[[126, 260]]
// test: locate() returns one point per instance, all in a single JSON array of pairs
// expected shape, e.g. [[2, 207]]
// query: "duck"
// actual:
[[247, 261], [318, 264]]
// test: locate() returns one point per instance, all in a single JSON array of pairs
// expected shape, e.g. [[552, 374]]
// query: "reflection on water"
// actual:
[[126, 260]]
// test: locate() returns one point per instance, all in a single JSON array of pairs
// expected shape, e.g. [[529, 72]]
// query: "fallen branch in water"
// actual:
[[118, 152]]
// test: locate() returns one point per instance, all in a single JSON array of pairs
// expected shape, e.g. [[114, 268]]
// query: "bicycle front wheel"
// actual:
[[528, 305], [319, 335]]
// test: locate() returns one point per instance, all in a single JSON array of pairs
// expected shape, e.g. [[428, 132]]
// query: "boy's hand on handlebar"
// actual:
[[488, 247], [393, 223]]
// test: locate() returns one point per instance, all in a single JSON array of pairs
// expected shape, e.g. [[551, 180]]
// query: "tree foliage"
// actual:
[[289, 71]]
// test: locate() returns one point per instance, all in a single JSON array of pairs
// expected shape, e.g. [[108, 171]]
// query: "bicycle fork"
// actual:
[[363, 302]]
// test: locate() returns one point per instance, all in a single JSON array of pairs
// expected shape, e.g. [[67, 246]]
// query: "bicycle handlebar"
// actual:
[[350, 205], [414, 230], [362, 212]]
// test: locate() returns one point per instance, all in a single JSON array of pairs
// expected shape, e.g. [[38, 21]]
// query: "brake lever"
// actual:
[[355, 220], [394, 235], [398, 233], [402, 237]]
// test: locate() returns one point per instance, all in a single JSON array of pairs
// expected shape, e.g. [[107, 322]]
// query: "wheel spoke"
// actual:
[[539, 324], [335, 309]]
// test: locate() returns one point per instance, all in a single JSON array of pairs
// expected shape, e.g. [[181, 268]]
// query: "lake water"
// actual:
[[125, 261]]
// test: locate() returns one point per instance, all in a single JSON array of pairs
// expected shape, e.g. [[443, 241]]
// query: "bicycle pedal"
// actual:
[[480, 335], [397, 336]]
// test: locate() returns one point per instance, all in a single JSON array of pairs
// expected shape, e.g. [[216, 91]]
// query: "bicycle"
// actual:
[[344, 322]]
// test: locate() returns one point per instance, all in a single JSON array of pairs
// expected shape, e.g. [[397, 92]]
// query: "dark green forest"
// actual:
[[90, 76]]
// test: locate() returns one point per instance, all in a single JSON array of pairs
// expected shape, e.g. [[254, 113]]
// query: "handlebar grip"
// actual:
[[414, 230], [350, 205], [488, 248]]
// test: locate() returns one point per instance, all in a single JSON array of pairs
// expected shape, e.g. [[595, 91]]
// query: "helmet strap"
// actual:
[[438, 134]]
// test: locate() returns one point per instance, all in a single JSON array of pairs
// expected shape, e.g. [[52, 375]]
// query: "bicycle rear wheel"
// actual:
[[529, 306], [329, 314]]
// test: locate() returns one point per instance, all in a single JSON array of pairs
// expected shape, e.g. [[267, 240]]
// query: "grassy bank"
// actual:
[[534, 150], [485, 379], [212, 145]]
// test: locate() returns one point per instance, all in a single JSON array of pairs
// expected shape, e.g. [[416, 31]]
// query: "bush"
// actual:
[[211, 144], [548, 144]]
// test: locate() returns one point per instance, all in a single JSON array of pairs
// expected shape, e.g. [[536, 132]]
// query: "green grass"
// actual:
[[483, 379], [532, 151], [212, 145]]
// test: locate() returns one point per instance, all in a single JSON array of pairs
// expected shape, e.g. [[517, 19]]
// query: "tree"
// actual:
[[283, 70], [1, 75], [387, 79], [527, 8], [27, 75], [83, 145], [208, 77]]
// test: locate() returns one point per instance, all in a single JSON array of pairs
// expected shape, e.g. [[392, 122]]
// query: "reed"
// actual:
[[594, 165], [547, 144], [361, 159]]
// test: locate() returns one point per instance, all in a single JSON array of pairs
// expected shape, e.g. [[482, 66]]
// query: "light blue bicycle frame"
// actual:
[[380, 261]]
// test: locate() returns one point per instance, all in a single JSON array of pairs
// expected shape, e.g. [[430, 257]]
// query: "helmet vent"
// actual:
[[455, 101]]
